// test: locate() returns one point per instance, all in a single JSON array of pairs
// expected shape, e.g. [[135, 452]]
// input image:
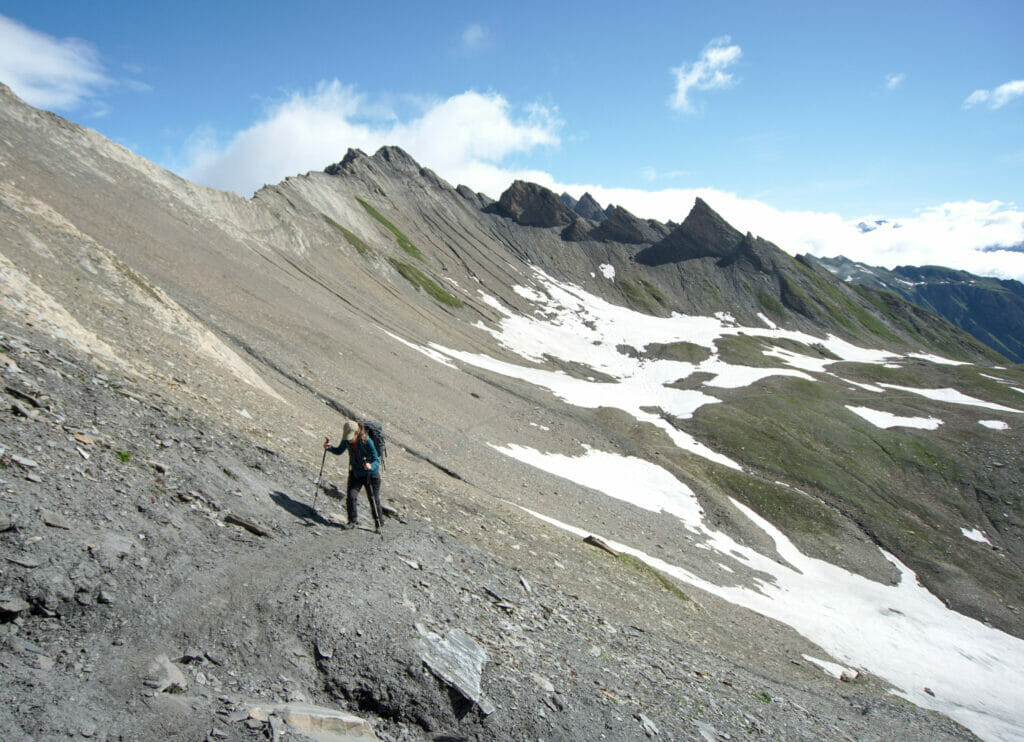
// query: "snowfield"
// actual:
[[932, 656]]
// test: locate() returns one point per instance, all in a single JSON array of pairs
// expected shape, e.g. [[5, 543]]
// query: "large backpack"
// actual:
[[376, 434]]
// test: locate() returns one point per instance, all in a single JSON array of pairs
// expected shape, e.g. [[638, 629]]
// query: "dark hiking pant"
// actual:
[[372, 485]]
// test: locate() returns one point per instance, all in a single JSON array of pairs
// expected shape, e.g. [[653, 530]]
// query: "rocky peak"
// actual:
[[622, 226], [478, 200], [352, 159], [703, 234], [397, 158], [388, 158], [589, 208], [532, 205]]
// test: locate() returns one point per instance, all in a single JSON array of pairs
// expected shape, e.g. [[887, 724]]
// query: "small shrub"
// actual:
[[125, 456]]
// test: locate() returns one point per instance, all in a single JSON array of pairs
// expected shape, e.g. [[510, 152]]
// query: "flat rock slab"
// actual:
[[12, 606], [459, 661], [317, 722], [54, 520], [23, 561]]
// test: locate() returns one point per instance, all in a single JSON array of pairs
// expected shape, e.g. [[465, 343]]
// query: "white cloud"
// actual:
[[463, 138], [707, 73], [474, 36], [893, 81], [996, 98], [47, 72]]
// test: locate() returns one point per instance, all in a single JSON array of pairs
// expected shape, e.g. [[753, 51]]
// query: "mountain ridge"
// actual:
[[990, 309]]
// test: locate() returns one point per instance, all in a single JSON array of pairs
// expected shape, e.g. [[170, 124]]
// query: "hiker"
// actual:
[[363, 470]]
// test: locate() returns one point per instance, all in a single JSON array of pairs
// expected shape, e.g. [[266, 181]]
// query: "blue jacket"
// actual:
[[358, 454]]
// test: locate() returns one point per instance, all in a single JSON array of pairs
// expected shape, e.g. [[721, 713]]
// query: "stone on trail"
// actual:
[[459, 661], [543, 683], [317, 722], [54, 520], [164, 676], [250, 526], [600, 544], [12, 606], [650, 728]]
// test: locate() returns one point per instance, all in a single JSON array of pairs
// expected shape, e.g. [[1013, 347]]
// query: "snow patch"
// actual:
[[608, 271], [882, 419], [902, 633], [976, 534], [953, 397], [994, 424], [831, 668]]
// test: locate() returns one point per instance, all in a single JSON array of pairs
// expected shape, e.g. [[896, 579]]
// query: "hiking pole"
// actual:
[[321, 474], [375, 504]]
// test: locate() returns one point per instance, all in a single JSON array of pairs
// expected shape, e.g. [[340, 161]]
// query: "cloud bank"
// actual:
[[46, 72], [466, 137], [707, 73]]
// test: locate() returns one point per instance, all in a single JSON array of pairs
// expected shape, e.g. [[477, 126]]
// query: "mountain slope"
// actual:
[[990, 309], [717, 410]]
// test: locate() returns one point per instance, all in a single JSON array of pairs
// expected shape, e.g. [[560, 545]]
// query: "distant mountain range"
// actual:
[[990, 309]]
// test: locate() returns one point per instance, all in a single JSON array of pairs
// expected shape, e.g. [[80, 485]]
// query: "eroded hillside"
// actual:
[[736, 421]]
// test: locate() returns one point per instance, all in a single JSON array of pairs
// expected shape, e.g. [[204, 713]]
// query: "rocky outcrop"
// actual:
[[589, 208], [531, 205], [622, 226], [478, 200], [703, 234]]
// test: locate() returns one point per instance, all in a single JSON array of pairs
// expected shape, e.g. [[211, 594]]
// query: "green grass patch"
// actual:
[[637, 298], [125, 456], [653, 291], [745, 350], [771, 306], [403, 242], [651, 573], [682, 351], [353, 239], [418, 278]]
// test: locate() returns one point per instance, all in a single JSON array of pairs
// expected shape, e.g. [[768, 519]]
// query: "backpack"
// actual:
[[376, 434]]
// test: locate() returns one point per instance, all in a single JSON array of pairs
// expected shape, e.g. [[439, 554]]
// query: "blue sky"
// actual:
[[795, 120]]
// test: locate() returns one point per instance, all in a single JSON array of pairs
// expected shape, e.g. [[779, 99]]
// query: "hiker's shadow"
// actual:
[[302, 511]]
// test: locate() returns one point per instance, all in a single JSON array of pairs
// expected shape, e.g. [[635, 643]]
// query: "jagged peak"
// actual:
[[620, 225], [397, 158], [589, 208], [348, 163], [532, 205], [387, 157], [703, 234]]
